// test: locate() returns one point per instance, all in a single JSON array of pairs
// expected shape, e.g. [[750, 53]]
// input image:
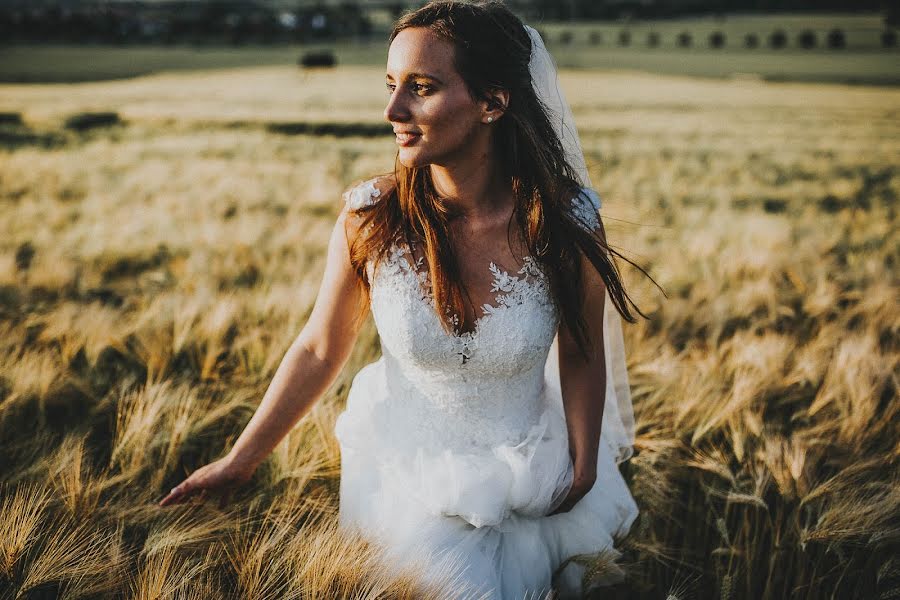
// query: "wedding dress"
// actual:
[[454, 448]]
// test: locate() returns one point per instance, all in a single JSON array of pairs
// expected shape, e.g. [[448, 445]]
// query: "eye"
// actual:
[[417, 87]]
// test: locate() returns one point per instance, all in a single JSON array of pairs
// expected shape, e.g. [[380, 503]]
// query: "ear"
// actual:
[[494, 105]]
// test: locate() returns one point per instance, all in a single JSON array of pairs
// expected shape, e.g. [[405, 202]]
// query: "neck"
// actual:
[[472, 184]]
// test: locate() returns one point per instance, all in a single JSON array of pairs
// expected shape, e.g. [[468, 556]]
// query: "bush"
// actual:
[[716, 39], [684, 39], [653, 39], [10, 118], [324, 58], [774, 205], [807, 39], [624, 38], [90, 120], [595, 38], [328, 128], [836, 39], [751, 40], [565, 37], [24, 254], [888, 38], [778, 39]]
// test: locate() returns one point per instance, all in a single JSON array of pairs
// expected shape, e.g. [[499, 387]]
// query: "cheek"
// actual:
[[453, 119]]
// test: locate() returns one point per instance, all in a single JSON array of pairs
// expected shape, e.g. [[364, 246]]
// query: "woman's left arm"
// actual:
[[583, 386]]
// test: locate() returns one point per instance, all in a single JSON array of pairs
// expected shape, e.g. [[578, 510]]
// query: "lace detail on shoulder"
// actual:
[[586, 208], [363, 194]]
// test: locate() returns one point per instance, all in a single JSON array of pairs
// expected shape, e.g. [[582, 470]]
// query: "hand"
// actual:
[[221, 477], [581, 484]]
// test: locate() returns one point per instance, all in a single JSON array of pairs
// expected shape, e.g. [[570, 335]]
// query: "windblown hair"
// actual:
[[493, 50]]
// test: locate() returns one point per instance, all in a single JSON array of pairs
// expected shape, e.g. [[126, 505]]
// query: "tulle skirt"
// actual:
[[477, 519]]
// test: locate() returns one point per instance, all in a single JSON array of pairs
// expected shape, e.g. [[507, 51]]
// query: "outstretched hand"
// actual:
[[220, 477]]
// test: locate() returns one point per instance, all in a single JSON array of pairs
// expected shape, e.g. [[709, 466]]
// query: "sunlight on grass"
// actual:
[[153, 274]]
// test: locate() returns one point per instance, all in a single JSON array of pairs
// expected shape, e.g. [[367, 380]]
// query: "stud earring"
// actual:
[[490, 119]]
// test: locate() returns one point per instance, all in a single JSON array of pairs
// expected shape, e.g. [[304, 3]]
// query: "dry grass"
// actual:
[[152, 275]]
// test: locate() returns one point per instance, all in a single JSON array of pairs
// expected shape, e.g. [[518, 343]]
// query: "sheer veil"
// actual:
[[618, 414]]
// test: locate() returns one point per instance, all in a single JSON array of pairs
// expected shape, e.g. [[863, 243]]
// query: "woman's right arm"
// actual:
[[309, 367]]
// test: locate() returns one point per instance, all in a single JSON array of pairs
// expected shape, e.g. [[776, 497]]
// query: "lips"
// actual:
[[404, 139]]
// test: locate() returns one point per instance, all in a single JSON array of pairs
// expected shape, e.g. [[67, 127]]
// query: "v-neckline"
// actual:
[[500, 276]]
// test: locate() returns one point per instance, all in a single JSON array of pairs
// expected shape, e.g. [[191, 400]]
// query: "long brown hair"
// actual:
[[493, 49]]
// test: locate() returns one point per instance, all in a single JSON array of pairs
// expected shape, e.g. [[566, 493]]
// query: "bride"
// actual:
[[485, 440]]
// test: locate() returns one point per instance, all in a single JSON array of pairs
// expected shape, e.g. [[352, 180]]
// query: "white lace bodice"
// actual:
[[475, 389]]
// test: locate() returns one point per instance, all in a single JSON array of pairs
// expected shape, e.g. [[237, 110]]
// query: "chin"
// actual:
[[411, 161]]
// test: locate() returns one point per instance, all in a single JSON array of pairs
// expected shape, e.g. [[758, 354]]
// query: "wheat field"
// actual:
[[154, 271]]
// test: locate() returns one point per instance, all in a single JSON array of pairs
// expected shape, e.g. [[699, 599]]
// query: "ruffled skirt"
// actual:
[[477, 519]]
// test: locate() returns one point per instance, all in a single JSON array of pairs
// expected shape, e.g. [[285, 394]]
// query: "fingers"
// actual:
[[173, 497], [562, 508], [180, 494], [211, 479], [186, 490], [575, 495]]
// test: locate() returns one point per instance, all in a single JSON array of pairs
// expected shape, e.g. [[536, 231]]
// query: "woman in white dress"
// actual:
[[485, 441]]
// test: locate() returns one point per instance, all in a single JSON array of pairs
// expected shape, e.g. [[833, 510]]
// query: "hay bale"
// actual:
[[716, 39], [595, 38], [624, 38], [565, 37], [751, 40], [684, 39], [652, 39]]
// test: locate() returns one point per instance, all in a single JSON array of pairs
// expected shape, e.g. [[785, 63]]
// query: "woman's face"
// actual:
[[428, 100]]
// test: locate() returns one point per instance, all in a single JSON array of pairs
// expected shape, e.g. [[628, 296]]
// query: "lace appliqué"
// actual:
[[398, 262], [364, 194], [514, 289], [530, 282]]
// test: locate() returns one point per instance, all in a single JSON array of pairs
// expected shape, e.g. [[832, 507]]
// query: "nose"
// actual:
[[396, 109]]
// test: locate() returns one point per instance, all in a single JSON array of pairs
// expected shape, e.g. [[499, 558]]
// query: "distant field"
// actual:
[[153, 273], [863, 61]]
